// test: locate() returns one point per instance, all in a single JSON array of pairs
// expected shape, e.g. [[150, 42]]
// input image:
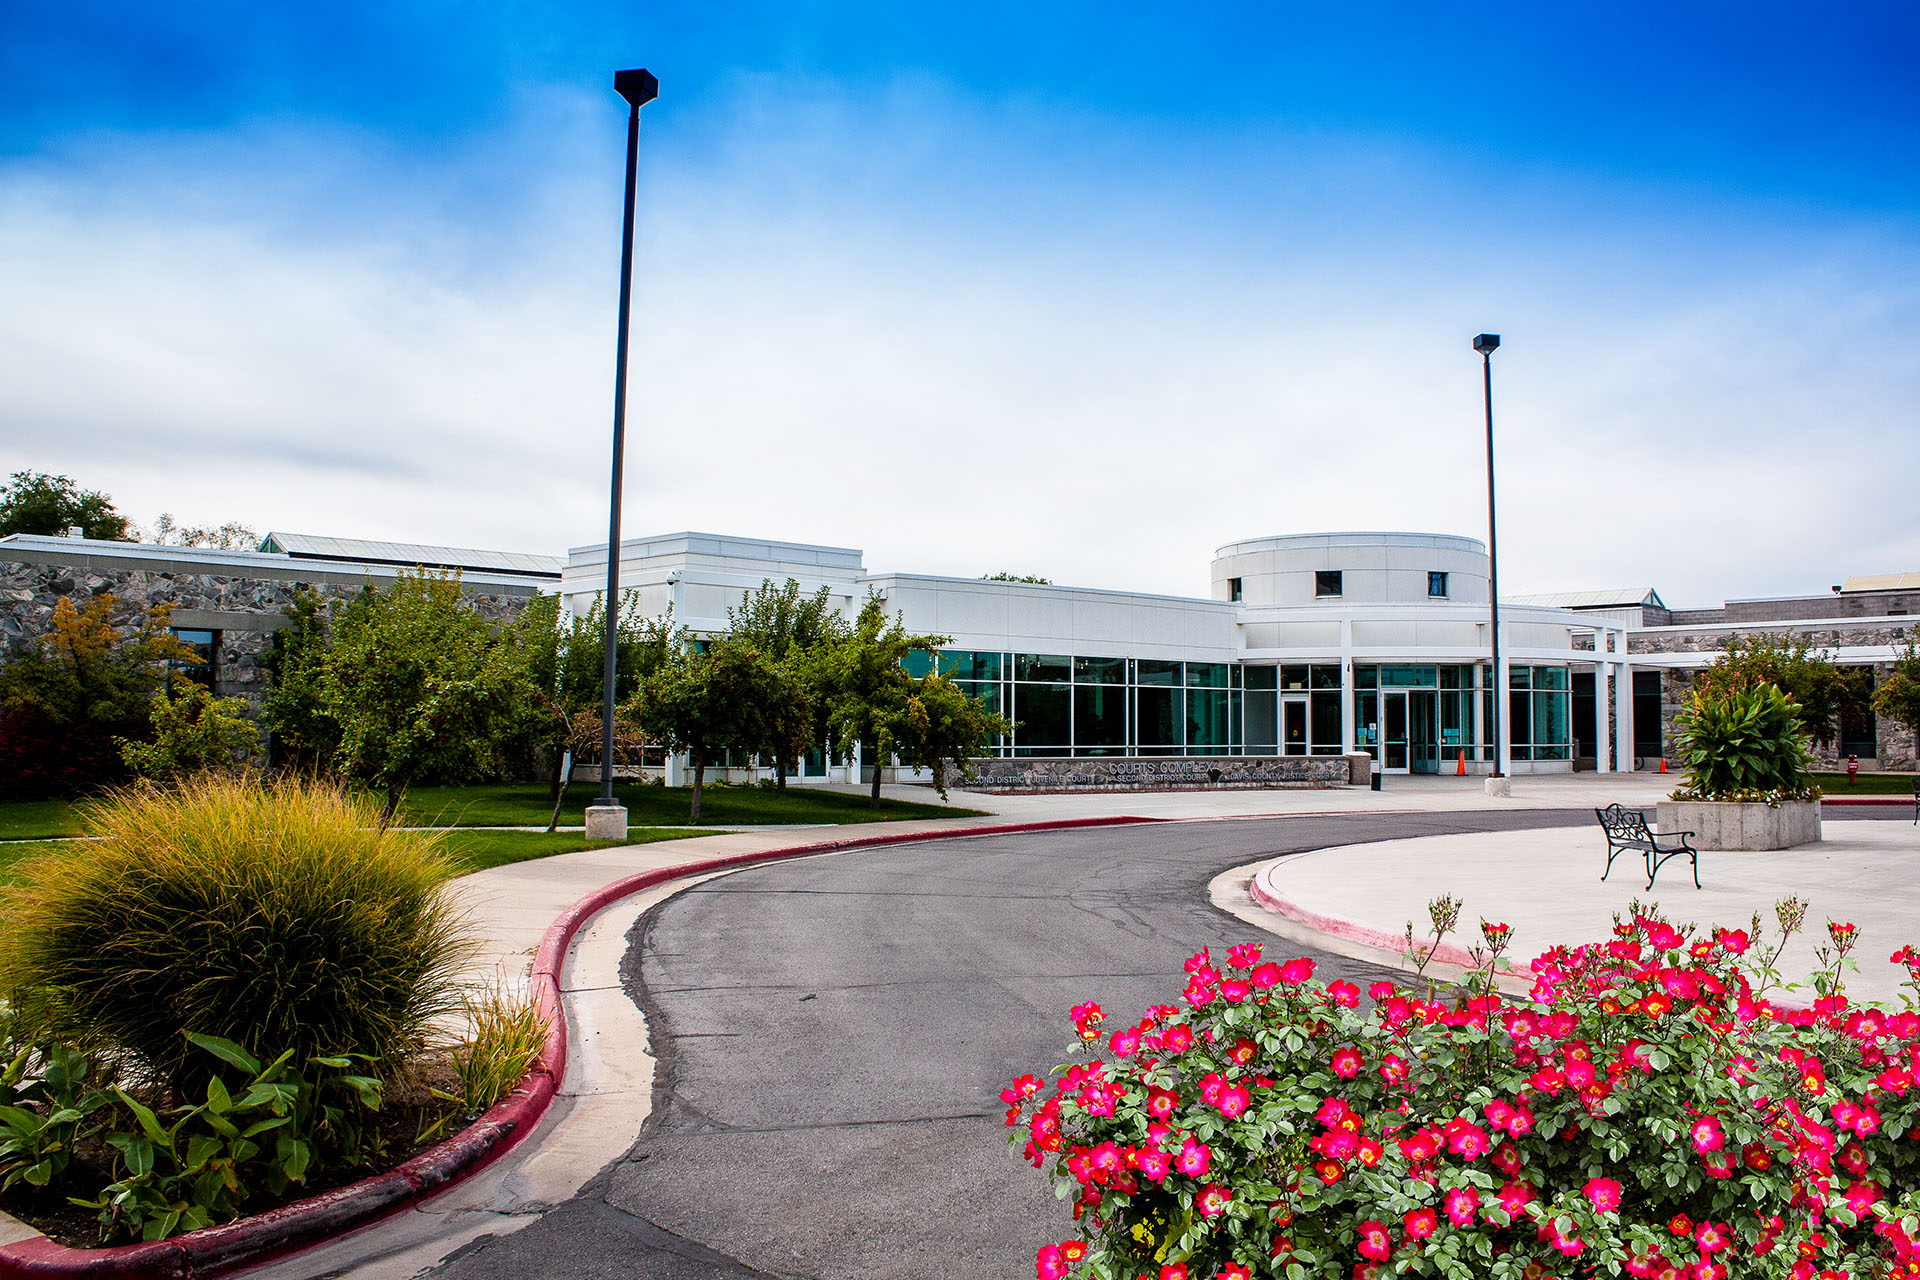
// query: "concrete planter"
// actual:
[[1719, 824]]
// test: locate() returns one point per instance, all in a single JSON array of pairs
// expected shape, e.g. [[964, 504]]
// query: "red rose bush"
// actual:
[[1646, 1111]]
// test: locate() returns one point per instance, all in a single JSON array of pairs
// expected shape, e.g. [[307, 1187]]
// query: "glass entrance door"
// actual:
[[1293, 726], [1424, 740], [1393, 730]]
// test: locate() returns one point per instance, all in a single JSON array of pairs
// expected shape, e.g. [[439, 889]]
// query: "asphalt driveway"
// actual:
[[834, 1034]]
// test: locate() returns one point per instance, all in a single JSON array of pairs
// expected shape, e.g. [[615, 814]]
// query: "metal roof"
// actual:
[[1881, 582], [1615, 598], [307, 546]]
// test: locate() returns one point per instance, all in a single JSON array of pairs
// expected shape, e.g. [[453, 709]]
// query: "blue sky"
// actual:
[[1075, 290]]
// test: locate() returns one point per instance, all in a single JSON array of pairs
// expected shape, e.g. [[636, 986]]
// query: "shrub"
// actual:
[[192, 733], [1645, 1110], [1745, 744], [281, 916]]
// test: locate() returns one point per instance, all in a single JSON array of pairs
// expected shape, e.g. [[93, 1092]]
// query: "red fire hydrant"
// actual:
[[1853, 769]]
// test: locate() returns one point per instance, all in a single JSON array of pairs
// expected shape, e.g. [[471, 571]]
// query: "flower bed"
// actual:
[[1648, 1111]]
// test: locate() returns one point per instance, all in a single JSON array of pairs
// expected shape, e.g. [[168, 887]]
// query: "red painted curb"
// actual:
[[1349, 930], [245, 1242], [1903, 801]]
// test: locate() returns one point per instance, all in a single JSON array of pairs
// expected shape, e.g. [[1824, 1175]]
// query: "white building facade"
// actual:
[[1311, 644]]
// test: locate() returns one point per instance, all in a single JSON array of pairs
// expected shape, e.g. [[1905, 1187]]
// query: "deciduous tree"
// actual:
[[51, 505], [707, 701], [83, 685], [1898, 697]]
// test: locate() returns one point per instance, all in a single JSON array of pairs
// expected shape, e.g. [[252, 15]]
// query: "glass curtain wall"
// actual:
[[1539, 713]]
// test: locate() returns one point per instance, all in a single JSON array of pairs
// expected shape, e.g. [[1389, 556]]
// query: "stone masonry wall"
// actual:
[[245, 611], [1158, 773], [1897, 748]]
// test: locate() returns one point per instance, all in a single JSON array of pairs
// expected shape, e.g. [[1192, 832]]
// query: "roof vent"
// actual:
[[75, 531]]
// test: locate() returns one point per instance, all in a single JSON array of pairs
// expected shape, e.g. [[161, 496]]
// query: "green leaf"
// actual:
[[227, 1051]]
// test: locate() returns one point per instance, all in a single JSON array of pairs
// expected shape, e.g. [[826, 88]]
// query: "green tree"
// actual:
[[707, 701], [566, 655], [193, 732], [304, 735], [793, 631], [1898, 697], [1820, 688], [85, 684], [410, 685], [869, 691], [940, 727], [39, 503], [1004, 576]]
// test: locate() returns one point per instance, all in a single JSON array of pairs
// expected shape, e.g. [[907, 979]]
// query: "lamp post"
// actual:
[[608, 819], [1498, 784]]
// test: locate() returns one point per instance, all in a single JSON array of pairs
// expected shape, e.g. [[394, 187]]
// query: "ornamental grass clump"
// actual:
[[278, 915], [1646, 1111]]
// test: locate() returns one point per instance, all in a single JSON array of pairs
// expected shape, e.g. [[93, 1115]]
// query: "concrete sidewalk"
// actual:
[[1546, 884]]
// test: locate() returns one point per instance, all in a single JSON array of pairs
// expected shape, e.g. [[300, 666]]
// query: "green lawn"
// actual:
[[1868, 784], [526, 805], [478, 850], [37, 819]]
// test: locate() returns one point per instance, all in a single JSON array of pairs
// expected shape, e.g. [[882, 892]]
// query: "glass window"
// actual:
[[1042, 666], [1366, 677], [1159, 716], [965, 664], [1326, 675], [984, 692], [1549, 677], [1208, 732], [918, 663], [1207, 675], [1366, 722], [1406, 677], [1100, 670], [1436, 584], [1233, 590], [1326, 582], [1260, 677], [1520, 718], [1154, 671], [206, 648], [1326, 722], [1519, 677], [1042, 715], [1262, 707], [1099, 718], [1294, 677]]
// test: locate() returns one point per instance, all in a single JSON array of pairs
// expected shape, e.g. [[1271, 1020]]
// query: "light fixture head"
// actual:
[[637, 86], [1487, 343]]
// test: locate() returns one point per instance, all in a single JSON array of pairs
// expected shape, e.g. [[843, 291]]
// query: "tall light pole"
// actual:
[[1486, 344], [638, 87]]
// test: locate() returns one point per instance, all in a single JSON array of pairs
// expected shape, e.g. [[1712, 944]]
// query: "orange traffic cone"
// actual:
[[1663, 764], [1461, 772]]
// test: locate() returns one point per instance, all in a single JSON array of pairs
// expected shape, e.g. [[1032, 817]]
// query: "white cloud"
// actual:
[[913, 327]]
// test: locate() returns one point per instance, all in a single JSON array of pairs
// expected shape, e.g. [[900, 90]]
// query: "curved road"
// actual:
[[834, 1033]]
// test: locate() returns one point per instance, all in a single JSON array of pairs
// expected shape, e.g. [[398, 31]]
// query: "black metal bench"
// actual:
[[1627, 830]]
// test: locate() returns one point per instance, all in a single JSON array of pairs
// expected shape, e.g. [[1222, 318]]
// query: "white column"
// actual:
[[1602, 738], [1346, 687], [1623, 706], [1503, 705]]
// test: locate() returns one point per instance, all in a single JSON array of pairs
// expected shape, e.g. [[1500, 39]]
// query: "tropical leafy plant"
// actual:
[[1742, 744]]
